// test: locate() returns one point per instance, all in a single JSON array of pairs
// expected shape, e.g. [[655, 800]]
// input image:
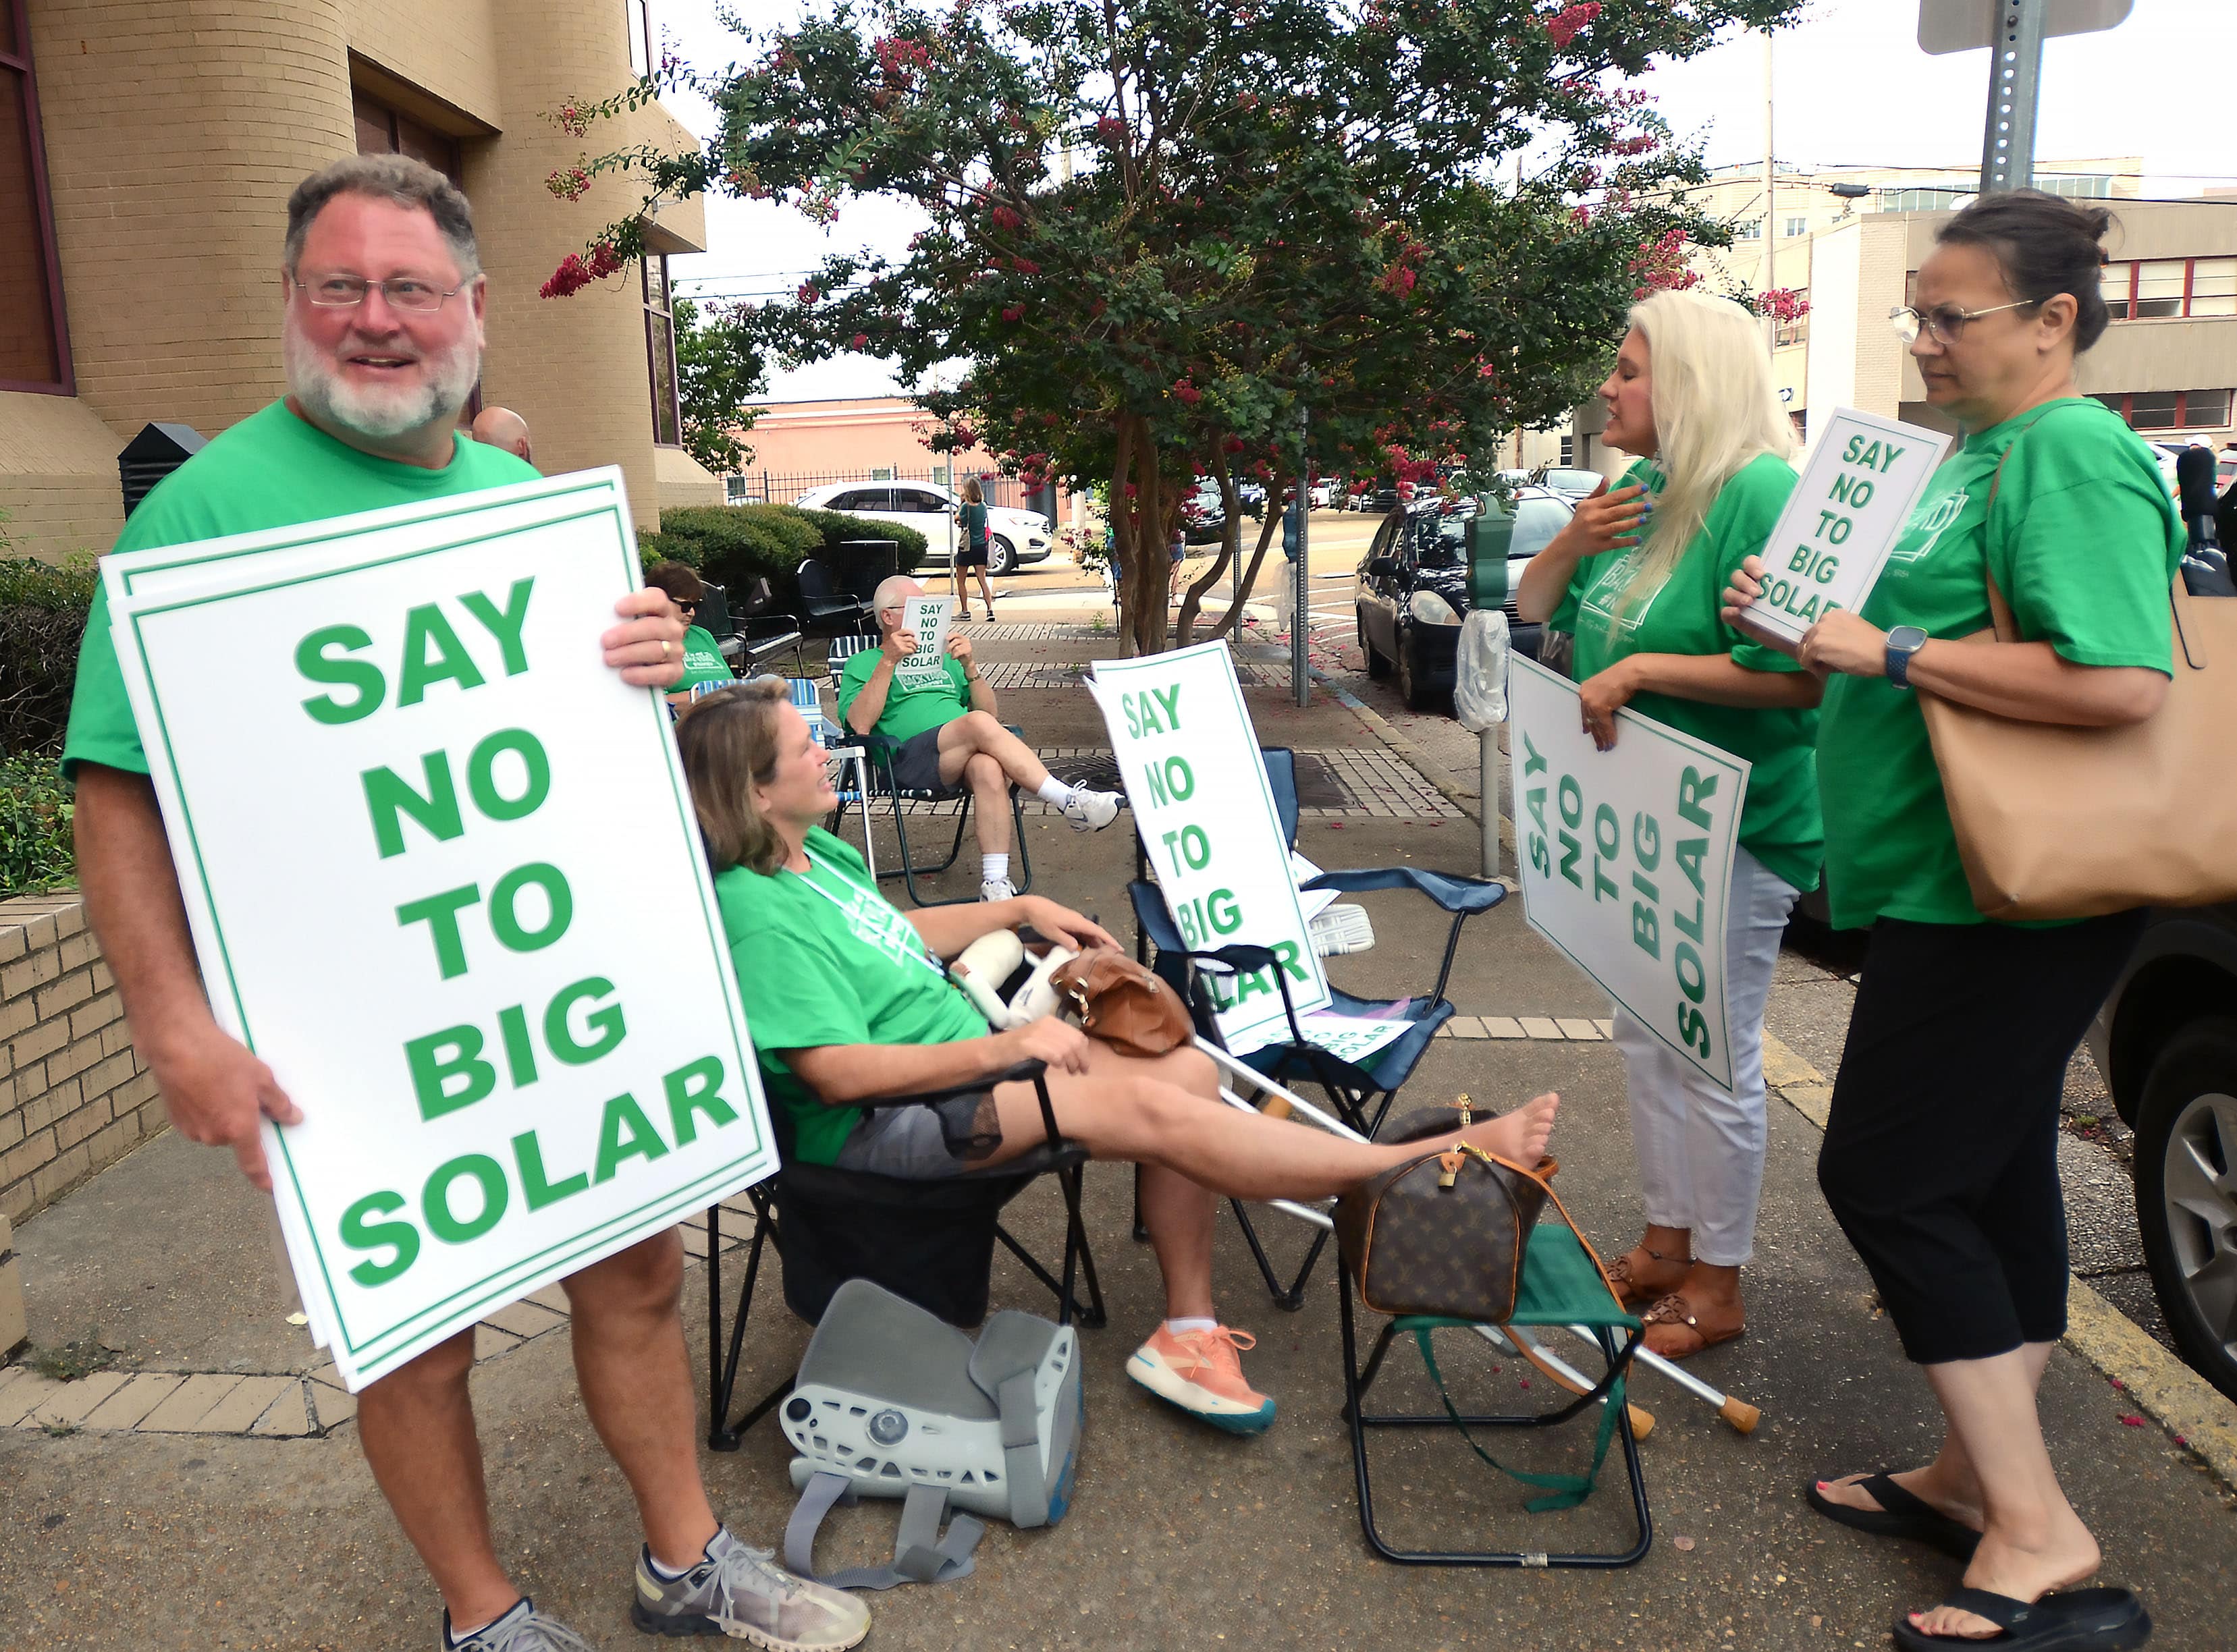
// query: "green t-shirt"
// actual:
[[2084, 542], [703, 661], [1781, 825], [822, 958], [272, 470], [909, 711], [974, 520]]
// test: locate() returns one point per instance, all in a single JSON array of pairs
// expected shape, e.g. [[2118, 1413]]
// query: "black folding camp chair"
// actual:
[[1359, 1092], [878, 770], [929, 1241]]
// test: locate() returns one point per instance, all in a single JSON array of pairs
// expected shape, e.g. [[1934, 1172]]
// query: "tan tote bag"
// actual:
[[2057, 821]]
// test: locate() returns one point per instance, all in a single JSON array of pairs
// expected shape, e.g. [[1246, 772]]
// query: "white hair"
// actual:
[[1715, 408], [892, 591]]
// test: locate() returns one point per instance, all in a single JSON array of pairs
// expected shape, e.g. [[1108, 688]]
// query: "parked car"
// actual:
[[1567, 479], [1203, 514], [1413, 590], [1322, 494], [1251, 496], [1013, 536], [2166, 1043]]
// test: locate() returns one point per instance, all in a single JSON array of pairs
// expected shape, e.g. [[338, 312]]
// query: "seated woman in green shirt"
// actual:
[[703, 655], [1940, 1153], [1692, 395], [849, 1001]]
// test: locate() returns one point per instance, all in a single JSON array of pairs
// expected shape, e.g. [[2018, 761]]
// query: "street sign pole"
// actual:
[[2015, 78], [1301, 682]]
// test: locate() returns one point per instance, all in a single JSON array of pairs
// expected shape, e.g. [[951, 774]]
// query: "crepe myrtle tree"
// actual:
[[1177, 237]]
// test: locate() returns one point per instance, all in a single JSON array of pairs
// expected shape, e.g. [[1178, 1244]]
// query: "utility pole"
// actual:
[[2014, 79], [1301, 681], [1770, 194]]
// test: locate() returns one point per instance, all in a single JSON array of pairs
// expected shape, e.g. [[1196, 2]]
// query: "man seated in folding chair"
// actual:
[[848, 1001], [950, 737]]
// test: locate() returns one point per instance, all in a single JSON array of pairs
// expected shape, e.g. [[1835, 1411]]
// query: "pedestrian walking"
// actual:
[[971, 522], [383, 301], [1692, 396], [1940, 1157]]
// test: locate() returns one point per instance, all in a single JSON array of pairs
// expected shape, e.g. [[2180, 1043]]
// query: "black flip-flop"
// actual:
[[1900, 1515], [2079, 1620]]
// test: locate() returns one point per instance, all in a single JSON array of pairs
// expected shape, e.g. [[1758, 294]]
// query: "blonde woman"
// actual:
[[1642, 569], [971, 522]]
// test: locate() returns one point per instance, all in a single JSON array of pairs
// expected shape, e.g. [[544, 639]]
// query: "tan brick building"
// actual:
[[147, 152]]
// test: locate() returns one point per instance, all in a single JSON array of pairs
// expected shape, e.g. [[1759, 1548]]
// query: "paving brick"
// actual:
[[1502, 1027], [68, 1403], [10, 1376], [553, 1297], [287, 1416], [1573, 1027], [332, 1404], [124, 1408], [1539, 1027], [1607, 1027], [489, 1342], [189, 1403], [526, 1320], [238, 1411], [1466, 1026], [28, 1390]]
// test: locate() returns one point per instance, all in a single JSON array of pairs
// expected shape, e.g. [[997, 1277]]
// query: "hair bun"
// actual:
[[2095, 221]]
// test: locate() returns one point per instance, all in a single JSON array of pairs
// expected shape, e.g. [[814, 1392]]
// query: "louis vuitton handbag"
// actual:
[[1444, 1234]]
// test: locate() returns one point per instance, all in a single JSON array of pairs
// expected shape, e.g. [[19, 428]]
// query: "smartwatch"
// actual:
[[1901, 642]]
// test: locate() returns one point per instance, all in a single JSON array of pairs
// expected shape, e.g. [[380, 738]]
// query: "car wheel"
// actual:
[[1378, 667], [2187, 1194], [1413, 688], [1001, 556]]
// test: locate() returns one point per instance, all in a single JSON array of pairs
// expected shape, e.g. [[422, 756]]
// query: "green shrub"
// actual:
[[36, 812], [655, 548], [42, 611], [734, 545]]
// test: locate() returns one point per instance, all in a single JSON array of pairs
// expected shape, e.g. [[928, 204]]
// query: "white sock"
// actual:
[[458, 1636], [663, 1573], [1175, 1327], [1054, 792], [992, 867]]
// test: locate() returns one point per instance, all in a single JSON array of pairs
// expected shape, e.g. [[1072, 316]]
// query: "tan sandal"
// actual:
[[1690, 1335], [1633, 1291]]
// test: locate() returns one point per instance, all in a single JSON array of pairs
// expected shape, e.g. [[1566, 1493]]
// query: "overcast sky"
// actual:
[[1850, 88]]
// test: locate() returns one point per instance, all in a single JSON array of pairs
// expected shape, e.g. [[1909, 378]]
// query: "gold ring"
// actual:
[[663, 650]]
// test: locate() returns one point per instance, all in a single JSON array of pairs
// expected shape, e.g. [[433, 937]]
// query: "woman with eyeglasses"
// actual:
[[703, 655], [1940, 1158], [1692, 395]]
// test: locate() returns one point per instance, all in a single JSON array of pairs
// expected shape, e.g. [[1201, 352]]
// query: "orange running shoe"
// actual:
[[1201, 1371]]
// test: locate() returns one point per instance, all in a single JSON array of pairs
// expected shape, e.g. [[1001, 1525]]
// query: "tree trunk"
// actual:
[[1147, 568]]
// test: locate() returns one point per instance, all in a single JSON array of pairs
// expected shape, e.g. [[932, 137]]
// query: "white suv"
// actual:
[[1013, 536]]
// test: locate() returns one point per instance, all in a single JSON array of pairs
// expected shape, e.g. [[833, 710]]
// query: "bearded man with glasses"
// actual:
[[382, 327]]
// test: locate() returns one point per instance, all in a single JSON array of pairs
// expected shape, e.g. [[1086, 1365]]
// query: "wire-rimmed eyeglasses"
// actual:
[[1946, 322], [402, 292]]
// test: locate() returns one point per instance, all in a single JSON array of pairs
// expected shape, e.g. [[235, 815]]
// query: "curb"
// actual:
[[2201, 1419]]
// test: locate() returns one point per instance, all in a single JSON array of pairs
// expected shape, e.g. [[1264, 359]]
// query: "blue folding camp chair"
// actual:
[[878, 772], [1361, 1092]]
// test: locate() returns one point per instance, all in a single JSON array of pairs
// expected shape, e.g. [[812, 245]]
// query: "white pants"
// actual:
[[1701, 1151]]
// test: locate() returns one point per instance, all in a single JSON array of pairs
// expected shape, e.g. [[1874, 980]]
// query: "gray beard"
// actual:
[[383, 417]]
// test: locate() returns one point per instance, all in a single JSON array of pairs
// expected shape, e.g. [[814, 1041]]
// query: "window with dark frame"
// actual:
[[383, 130], [2170, 409], [660, 353], [34, 331]]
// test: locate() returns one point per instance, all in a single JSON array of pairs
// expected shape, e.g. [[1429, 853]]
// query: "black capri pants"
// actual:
[[1941, 1153]]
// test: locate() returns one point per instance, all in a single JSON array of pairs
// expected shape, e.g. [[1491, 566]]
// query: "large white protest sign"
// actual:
[[1625, 858], [444, 876], [1856, 490], [1200, 799], [931, 618]]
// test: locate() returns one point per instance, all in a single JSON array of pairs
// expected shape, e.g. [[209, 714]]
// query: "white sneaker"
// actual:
[[1090, 811], [997, 889]]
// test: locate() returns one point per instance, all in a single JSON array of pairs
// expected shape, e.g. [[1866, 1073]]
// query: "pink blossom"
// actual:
[[1567, 24], [861, 340]]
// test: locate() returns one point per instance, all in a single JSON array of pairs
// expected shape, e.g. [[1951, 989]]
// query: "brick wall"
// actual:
[[74, 1096]]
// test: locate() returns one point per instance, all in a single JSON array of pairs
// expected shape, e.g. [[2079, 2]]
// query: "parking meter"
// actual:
[[1489, 533]]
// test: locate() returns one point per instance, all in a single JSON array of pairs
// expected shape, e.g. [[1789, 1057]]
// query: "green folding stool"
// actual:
[[1560, 1286]]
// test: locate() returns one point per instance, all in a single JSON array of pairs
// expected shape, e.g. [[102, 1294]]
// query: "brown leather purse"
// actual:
[[1444, 1234], [1118, 1003]]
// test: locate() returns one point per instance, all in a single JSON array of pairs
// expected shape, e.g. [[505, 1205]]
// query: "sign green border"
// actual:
[[494, 1284], [1715, 754], [1123, 667]]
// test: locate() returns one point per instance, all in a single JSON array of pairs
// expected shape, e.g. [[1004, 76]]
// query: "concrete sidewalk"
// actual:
[[117, 1537]]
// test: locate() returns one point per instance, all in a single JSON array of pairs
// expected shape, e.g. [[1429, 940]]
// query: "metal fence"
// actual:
[[764, 487]]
